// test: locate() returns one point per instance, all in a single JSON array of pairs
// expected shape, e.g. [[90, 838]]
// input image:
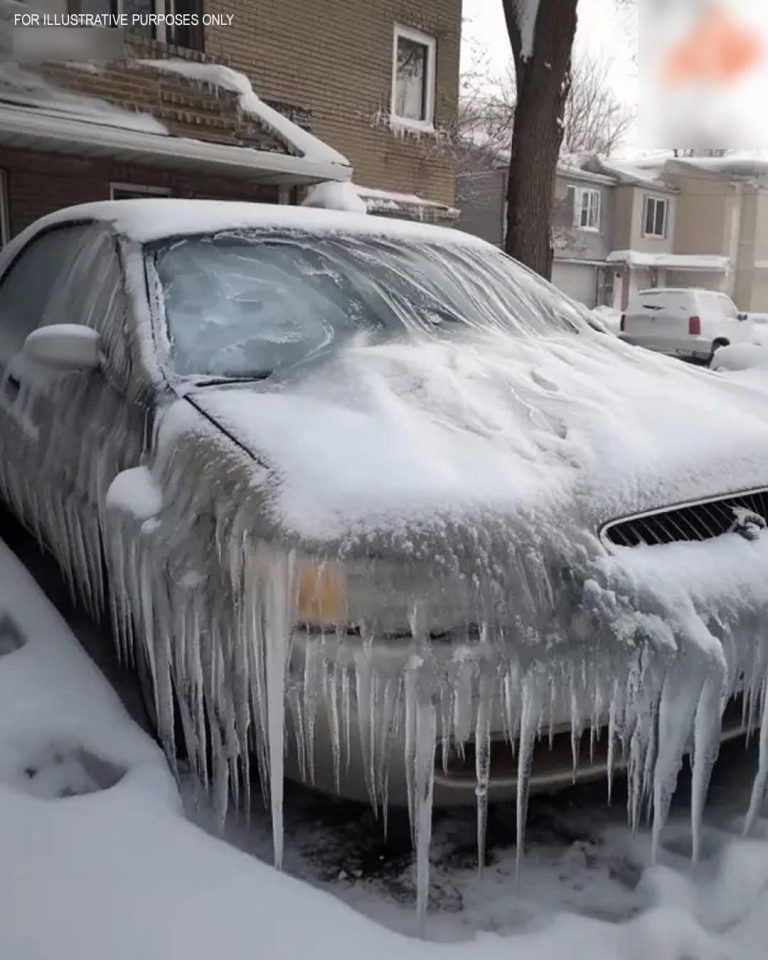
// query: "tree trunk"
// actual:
[[543, 82]]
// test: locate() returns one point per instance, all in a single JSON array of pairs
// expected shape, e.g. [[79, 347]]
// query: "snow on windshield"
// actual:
[[245, 305]]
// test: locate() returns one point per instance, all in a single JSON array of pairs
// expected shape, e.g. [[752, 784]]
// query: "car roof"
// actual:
[[150, 219]]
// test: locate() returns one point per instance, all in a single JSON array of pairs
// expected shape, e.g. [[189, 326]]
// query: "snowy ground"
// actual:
[[99, 860]]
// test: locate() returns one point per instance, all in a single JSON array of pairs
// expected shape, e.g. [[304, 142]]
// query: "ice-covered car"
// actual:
[[371, 503], [684, 322]]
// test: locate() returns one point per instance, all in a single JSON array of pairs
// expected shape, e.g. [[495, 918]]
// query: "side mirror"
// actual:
[[742, 316], [64, 346]]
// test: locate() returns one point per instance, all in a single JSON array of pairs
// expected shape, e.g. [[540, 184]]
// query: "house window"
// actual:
[[136, 191], [655, 220], [586, 208], [189, 35], [413, 78], [5, 227]]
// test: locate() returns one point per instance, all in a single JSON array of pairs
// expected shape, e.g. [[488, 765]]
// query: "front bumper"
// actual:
[[339, 729]]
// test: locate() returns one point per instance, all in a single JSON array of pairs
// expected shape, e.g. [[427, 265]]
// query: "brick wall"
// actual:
[[40, 183], [187, 108], [334, 58]]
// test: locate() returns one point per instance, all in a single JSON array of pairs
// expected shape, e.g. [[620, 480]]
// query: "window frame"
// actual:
[[579, 193], [648, 199], [145, 189], [160, 32], [5, 225], [430, 42]]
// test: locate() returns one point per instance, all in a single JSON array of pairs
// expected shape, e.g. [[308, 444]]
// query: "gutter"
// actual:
[[581, 260], [56, 132]]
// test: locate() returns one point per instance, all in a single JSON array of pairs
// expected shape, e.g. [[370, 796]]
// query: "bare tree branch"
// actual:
[[594, 120]]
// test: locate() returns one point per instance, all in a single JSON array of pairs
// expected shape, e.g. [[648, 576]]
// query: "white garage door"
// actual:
[[578, 280]]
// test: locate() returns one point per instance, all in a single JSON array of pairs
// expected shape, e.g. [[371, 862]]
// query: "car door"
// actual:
[[27, 290], [64, 435]]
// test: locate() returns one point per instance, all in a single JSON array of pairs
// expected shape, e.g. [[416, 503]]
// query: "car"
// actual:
[[368, 504], [684, 322]]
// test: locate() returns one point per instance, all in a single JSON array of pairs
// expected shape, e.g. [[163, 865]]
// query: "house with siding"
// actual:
[[582, 221], [289, 95], [723, 211], [619, 227]]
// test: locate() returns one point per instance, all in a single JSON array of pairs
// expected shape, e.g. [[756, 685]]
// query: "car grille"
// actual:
[[743, 513]]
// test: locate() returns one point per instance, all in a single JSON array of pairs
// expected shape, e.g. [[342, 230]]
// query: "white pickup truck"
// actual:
[[684, 322]]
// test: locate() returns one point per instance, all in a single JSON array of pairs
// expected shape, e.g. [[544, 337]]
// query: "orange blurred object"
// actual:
[[718, 50], [321, 597]]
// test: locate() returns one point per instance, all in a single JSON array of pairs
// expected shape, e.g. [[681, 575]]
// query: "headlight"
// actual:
[[321, 593], [375, 597]]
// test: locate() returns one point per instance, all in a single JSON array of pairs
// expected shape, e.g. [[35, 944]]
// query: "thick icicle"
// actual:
[[680, 696], [279, 606], [529, 720], [421, 734], [483, 763], [706, 745], [761, 779]]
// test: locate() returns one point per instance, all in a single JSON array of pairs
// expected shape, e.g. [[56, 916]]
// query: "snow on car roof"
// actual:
[[155, 218]]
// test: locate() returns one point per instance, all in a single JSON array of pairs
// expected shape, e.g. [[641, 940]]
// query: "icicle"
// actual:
[[364, 691], [614, 711], [483, 762], [575, 730], [705, 749], [462, 698], [332, 699], [529, 718], [680, 695], [346, 709], [279, 603], [761, 778], [421, 733]]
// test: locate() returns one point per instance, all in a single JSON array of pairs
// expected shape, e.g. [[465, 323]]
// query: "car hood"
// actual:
[[579, 429]]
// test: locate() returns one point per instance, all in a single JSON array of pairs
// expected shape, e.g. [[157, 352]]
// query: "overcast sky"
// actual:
[[604, 30]]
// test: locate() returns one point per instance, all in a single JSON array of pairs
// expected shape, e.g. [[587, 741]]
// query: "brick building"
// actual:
[[361, 88], [338, 59]]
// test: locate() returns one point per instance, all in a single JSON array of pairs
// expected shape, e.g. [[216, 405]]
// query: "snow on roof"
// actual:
[[635, 173], [33, 106], [389, 201], [675, 261], [734, 165], [156, 218], [568, 165], [300, 140], [577, 173], [24, 88], [333, 195]]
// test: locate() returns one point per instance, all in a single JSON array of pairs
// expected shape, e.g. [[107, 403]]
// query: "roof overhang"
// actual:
[[696, 263], [34, 129], [569, 172]]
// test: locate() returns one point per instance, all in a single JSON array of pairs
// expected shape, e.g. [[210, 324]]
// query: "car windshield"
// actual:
[[242, 305]]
